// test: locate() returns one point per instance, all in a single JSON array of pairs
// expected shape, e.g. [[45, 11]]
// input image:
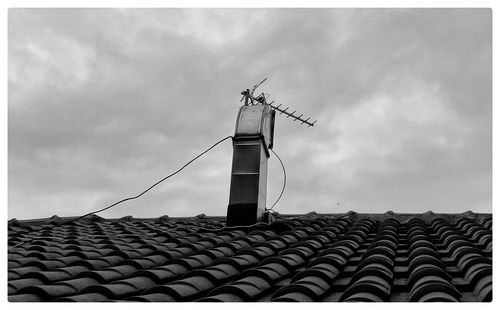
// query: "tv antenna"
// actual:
[[250, 99]]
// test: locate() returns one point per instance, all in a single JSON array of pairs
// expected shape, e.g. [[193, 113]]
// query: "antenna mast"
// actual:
[[253, 139]]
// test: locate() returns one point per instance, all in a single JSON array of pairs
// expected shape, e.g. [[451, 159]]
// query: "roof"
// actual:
[[313, 257]]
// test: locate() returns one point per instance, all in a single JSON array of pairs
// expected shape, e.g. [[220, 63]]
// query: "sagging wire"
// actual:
[[284, 180], [155, 184]]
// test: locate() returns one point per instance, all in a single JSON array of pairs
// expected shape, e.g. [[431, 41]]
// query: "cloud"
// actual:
[[102, 103]]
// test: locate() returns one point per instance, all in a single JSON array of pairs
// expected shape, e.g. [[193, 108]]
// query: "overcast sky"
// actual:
[[103, 103]]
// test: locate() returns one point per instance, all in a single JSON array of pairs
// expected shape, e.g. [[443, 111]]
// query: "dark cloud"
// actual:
[[102, 103]]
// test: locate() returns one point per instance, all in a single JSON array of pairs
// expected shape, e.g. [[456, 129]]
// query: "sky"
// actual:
[[102, 103]]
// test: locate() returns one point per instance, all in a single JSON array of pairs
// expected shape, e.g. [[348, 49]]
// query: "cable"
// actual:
[[147, 190], [284, 180]]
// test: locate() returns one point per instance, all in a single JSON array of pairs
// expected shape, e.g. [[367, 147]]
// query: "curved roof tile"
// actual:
[[351, 257]]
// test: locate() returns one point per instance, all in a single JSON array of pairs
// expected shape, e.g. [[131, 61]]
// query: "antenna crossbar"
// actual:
[[296, 118]]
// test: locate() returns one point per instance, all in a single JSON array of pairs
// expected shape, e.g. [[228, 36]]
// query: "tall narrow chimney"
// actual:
[[252, 140]]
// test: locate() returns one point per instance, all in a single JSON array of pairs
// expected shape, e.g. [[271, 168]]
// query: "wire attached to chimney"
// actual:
[[284, 180], [151, 187]]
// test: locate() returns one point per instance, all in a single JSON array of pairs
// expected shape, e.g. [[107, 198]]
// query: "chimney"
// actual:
[[252, 140]]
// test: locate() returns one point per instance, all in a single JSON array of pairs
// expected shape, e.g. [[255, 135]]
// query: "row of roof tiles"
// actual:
[[321, 259]]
